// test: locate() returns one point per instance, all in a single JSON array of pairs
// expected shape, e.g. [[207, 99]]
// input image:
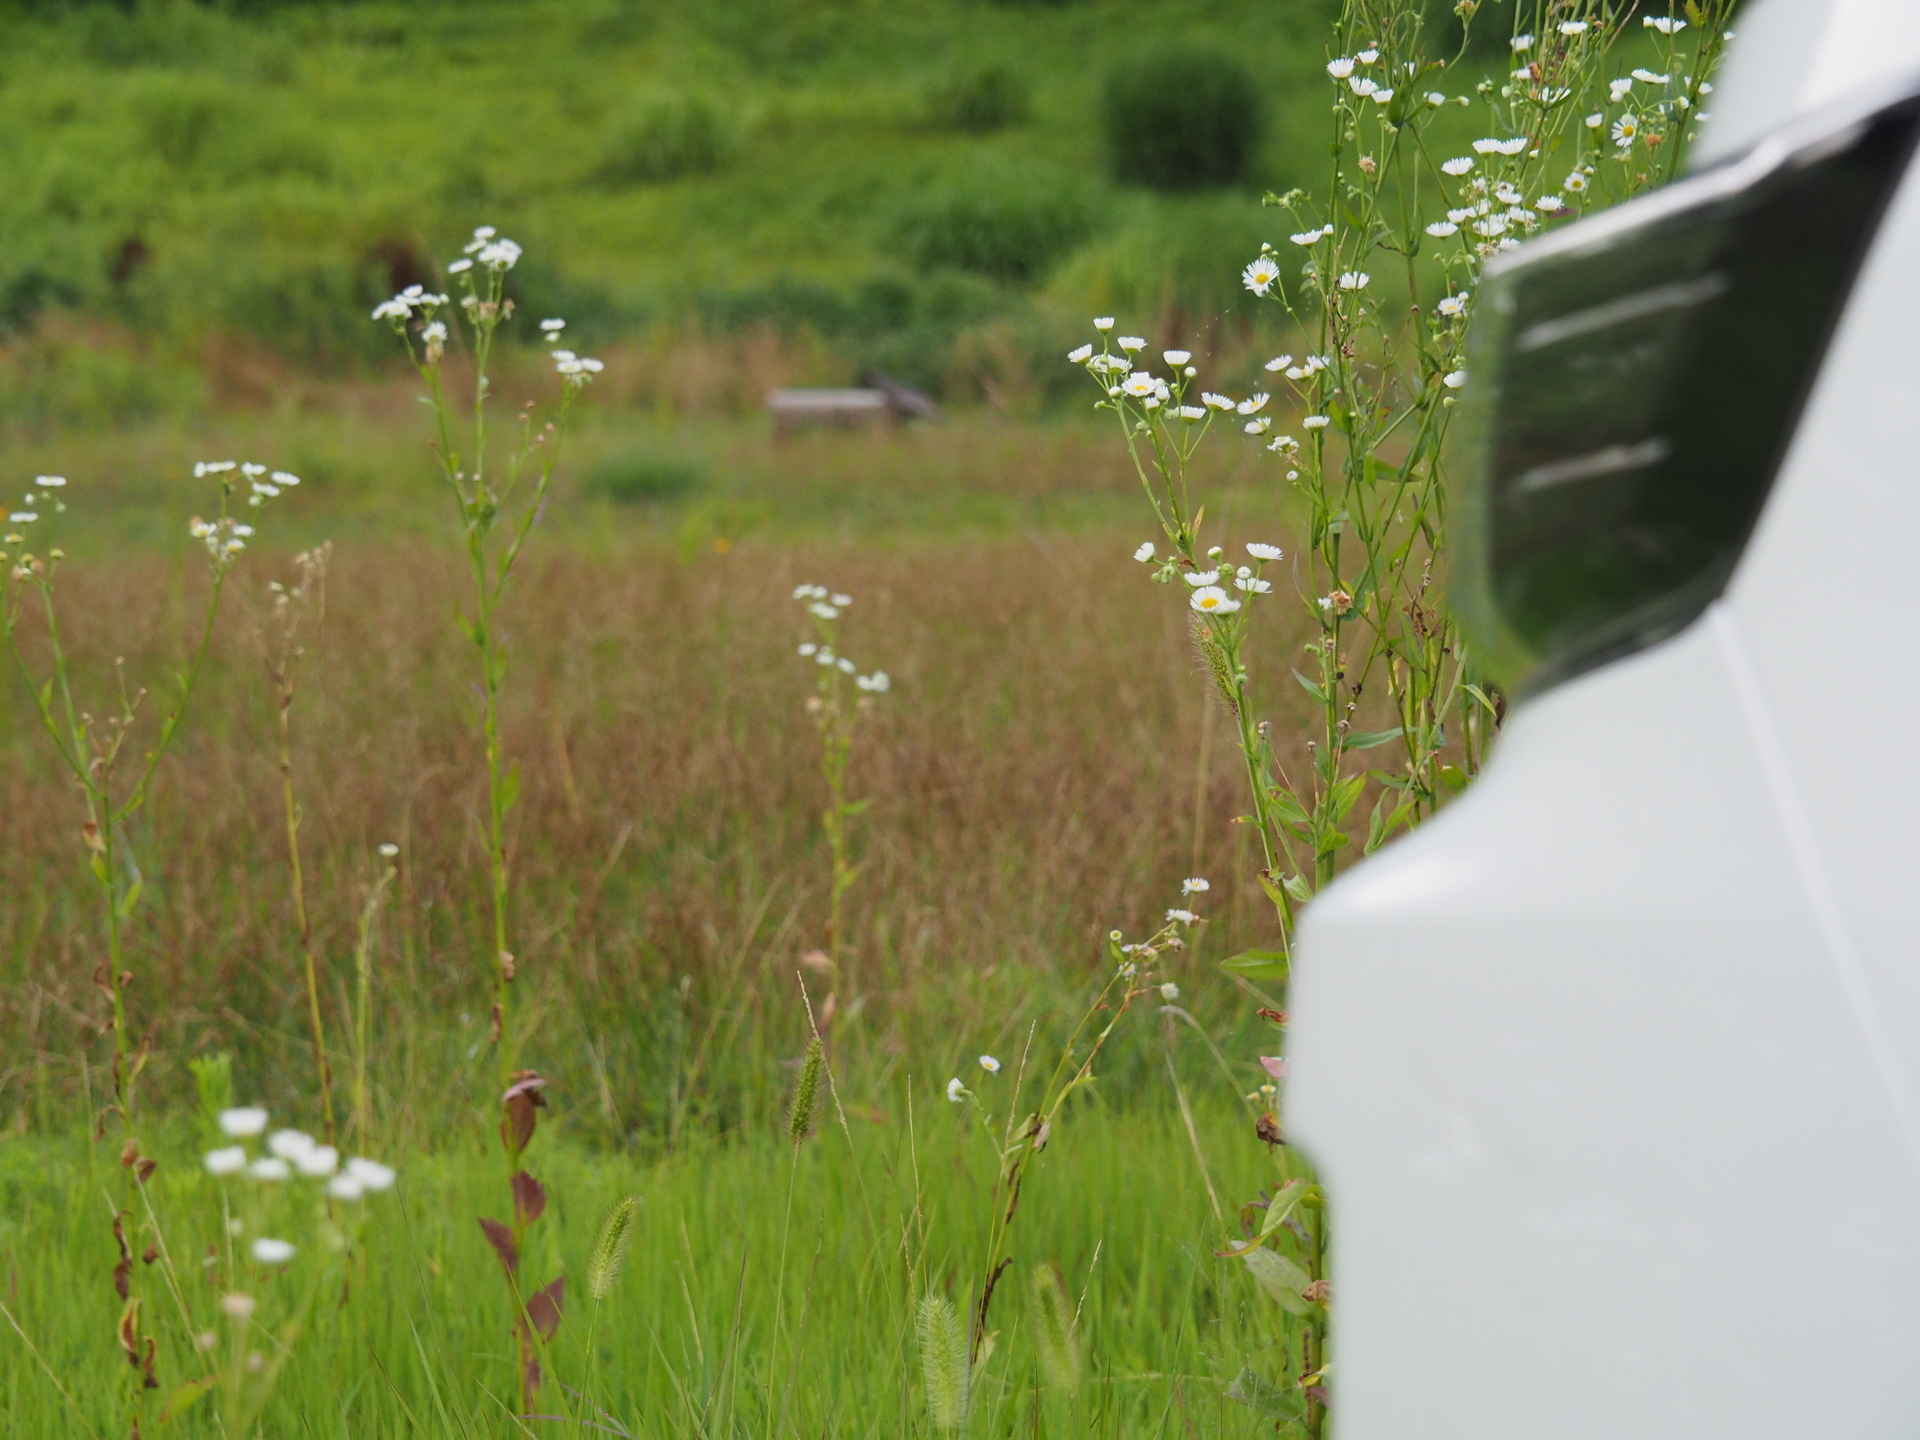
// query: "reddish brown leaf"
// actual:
[[129, 1332], [501, 1238], [529, 1382], [522, 1100], [121, 1283], [147, 1381], [120, 1234], [544, 1306], [529, 1198], [143, 1172], [150, 1254], [129, 1155]]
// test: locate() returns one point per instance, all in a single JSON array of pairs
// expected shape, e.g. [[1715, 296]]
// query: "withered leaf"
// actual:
[[543, 1307], [529, 1198], [501, 1238]]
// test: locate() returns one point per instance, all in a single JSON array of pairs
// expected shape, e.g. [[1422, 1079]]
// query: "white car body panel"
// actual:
[[1613, 1070]]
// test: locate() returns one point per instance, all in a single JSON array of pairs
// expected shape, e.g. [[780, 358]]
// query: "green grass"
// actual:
[[700, 1326]]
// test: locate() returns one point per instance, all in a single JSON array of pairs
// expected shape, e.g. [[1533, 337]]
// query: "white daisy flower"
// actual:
[[1317, 422], [1573, 27], [1194, 886], [1595, 121], [269, 1251], [1169, 992], [877, 683], [956, 1092], [1253, 404], [1253, 585], [1454, 379], [1145, 552], [1368, 56], [1340, 69], [1258, 426], [1381, 96], [552, 327], [1522, 44], [50, 482], [1625, 131], [244, 1122], [989, 1064], [1191, 413], [1459, 165], [1217, 402], [1549, 203], [1452, 305], [1176, 357], [1185, 917], [345, 1187], [1355, 280], [1103, 323], [1575, 183], [269, 1167], [1441, 229], [1665, 24], [1436, 99], [371, 1174], [1079, 356], [229, 1161], [1279, 362], [842, 600], [1260, 275], [1131, 343], [1306, 237], [1260, 550], [1650, 77], [1212, 600], [1362, 86], [1199, 578]]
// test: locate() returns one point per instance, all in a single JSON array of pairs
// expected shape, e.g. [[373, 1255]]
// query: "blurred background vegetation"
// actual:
[[943, 189]]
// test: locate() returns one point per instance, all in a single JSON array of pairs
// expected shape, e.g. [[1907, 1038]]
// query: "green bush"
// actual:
[[669, 137], [979, 101], [1182, 119], [645, 477], [1012, 224]]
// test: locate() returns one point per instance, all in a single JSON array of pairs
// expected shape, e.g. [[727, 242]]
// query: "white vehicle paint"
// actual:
[[1613, 1070]]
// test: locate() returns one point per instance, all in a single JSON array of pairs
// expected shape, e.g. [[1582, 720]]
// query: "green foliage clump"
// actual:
[[1184, 118], [671, 137], [1009, 224], [979, 101], [645, 477]]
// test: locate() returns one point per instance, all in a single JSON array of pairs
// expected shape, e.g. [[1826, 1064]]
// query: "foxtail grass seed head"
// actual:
[[806, 1092], [943, 1363], [1055, 1335], [610, 1248]]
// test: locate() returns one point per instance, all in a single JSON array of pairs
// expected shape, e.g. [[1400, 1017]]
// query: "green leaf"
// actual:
[[132, 897], [1282, 1205], [1281, 1278], [1288, 807], [184, 1395], [1264, 965], [857, 807], [1297, 888], [510, 788], [1454, 778], [1367, 739], [1310, 687], [1344, 795], [98, 864]]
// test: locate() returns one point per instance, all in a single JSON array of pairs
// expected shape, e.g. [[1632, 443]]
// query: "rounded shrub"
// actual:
[[1182, 119], [1008, 223], [979, 101]]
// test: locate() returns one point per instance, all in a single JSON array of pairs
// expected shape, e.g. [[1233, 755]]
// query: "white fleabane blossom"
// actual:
[[392, 310], [878, 683], [845, 666], [1650, 77], [1169, 992], [1131, 343], [1355, 280], [1080, 355], [808, 648], [50, 482], [1192, 413], [1573, 27], [22, 517], [1139, 385], [269, 1251], [1212, 600], [956, 1092], [1260, 275], [345, 1187], [1185, 917], [1436, 99], [1625, 131], [989, 1064], [1279, 362], [1665, 24], [1441, 229], [1522, 44], [269, 1167], [1252, 405], [243, 1122], [290, 1144], [1549, 203], [1340, 69], [228, 1161], [1198, 578], [1260, 550], [1307, 237], [1103, 323], [1317, 422], [1500, 147], [1259, 425], [1455, 379], [841, 600], [823, 610], [1194, 886], [371, 1173], [1575, 183], [1452, 305], [460, 266], [1459, 165], [1176, 357], [1216, 402], [1362, 86], [1145, 552], [1368, 56], [1381, 96]]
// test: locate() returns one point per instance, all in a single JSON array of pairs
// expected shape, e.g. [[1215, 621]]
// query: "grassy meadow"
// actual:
[[206, 200]]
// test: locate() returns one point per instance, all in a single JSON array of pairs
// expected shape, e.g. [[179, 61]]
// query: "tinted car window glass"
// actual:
[[1639, 388]]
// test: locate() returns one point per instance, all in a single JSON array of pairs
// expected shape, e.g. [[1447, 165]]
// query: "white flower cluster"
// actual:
[[291, 1152], [825, 606], [33, 500], [489, 249], [401, 307], [576, 370]]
